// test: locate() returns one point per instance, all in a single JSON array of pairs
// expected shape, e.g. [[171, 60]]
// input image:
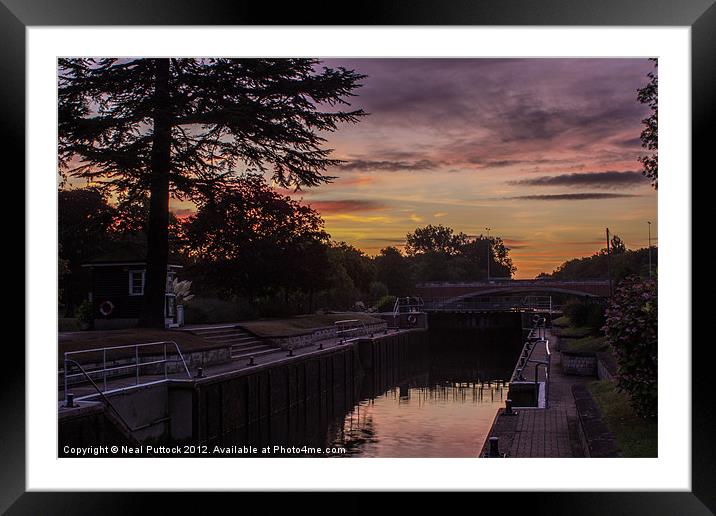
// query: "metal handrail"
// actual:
[[137, 364], [109, 404], [537, 304], [359, 326], [537, 334]]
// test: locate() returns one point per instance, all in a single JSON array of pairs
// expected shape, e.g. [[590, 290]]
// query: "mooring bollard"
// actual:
[[290, 352], [494, 449], [199, 372], [508, 408], [320, 345], [251, 360], [70, 400]]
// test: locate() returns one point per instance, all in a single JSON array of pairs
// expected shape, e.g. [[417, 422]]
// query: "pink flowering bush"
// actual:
[[631, 327]]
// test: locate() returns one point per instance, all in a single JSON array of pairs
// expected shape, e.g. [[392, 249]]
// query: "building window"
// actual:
[[136, 283]]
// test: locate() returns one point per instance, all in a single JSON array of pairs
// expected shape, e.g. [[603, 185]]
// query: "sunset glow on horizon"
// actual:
[[542, 151]]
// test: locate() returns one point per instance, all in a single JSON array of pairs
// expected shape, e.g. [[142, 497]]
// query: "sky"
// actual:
[[542, 151]]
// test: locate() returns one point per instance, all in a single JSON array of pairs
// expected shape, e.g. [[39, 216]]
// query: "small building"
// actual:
[[116, 291]]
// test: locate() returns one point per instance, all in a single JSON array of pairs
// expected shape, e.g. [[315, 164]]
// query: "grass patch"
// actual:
[[89, 340], [636, 437], [586, 344], [575, 332], [561, 322], [302, 323]]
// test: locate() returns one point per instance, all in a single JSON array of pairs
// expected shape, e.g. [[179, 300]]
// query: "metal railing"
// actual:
[[408, 304], [541, 304], [350, 328], [536, 335], [122, 369]]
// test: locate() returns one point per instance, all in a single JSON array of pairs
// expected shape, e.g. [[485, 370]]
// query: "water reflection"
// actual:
[[442, 408], [439, 401]]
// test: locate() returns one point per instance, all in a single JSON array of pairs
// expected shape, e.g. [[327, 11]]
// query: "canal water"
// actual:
[[438, 401], [444, 406]]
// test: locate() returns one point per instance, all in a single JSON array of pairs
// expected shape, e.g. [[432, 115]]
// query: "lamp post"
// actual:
[[609, 265], [649, 223], [489, 245]]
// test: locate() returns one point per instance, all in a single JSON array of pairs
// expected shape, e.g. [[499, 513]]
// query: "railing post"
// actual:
[[65, 393], [104, 367], [165, 361], [547, 380], [136, 362]]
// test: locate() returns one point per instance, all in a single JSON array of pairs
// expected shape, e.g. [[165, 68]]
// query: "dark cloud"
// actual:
[[389, 165], [572, 197], [609, 180], [345, 205]]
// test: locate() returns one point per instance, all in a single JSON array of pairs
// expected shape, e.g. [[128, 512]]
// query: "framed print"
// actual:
[[413, 250]]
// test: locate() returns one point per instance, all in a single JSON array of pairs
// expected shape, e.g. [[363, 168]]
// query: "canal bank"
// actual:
[[278, 395], [568, 426], [396, 393]]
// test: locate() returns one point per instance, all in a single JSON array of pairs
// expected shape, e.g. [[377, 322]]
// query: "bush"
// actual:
[[209, 310], [631, 327], [377, 291], [582, 312], [85, 314], [386, 304]]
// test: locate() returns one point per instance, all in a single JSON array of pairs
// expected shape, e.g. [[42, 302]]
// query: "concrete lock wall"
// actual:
[[317, 386], [280, 398], [485, 321], [310, 338]]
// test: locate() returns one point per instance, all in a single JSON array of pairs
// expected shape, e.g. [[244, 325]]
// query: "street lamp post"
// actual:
[[489, 253], [609, 265], [649, 223]]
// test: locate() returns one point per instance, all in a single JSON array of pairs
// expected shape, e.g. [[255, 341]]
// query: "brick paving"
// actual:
[[543, 432]]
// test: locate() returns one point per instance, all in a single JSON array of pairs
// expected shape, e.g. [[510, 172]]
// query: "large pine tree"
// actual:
[[187, 127]]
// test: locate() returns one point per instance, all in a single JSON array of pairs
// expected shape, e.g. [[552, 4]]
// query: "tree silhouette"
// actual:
[[249, 240], [184, 127], [649, 95]]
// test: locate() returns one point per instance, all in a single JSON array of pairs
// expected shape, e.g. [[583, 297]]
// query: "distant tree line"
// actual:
[[623, 263], [248, 246]]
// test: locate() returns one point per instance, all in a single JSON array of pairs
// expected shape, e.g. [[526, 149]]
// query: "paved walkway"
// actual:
[[550, 432]]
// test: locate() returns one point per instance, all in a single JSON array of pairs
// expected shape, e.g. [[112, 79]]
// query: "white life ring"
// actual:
[[106, 307], [412, 319]]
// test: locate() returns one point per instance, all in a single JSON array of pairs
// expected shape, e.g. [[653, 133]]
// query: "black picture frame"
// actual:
[[17, 15]]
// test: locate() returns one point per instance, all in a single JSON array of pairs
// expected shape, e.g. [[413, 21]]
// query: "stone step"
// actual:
[[209, 330], [208, 334]]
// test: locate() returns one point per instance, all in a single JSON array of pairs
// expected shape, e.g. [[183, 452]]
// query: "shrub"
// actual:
[[631, 327], [582, 312], [85, 314], [209, 310], [377, 291], [386, 304]]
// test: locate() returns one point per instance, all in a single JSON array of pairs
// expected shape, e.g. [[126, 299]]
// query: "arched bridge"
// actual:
[[456, 291]]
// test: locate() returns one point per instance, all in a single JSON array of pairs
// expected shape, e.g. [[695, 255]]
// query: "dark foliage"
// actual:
[[649, 95], [186, 127], [631, 327]]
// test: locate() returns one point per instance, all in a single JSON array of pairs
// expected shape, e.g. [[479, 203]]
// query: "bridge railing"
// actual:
[[447, 304]]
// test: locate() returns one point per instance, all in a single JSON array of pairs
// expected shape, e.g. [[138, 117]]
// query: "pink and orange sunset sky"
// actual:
[[542, 151]]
